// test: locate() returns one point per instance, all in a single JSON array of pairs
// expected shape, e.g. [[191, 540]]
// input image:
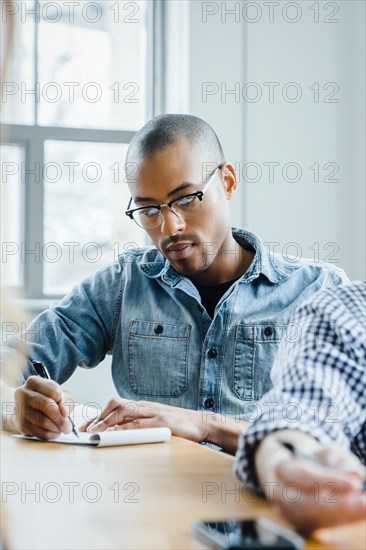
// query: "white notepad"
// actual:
[[110, 439]]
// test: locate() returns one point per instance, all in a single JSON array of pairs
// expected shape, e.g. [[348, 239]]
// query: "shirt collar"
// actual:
[[160, 267], [264, 262]]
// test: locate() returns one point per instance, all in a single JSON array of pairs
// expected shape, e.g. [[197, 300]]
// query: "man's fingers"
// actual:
[[84, 427], [339, 459], [35, 407], [50, 388], [116, 412], [39, 405], [305, 474], [137, 424], [44, 430], [111, 406], [67, 404], [316, 512], [102, 425]]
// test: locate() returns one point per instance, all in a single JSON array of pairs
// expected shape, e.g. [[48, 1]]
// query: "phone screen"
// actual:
[[251, 534]]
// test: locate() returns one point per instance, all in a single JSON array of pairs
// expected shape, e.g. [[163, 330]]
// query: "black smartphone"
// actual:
[[251, 534]]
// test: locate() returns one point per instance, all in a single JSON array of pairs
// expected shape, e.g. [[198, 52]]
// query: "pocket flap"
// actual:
[[260, 333], [159, 329]]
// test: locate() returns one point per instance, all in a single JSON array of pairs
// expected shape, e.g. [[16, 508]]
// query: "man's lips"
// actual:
[[179, 251]]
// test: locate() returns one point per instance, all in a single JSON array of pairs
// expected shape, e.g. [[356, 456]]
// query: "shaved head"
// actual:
[[165, 130]]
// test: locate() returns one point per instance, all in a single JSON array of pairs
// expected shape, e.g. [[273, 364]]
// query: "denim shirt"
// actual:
[[165, 346]]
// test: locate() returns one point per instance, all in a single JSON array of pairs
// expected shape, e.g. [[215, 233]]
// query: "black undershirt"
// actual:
[[211, 295]]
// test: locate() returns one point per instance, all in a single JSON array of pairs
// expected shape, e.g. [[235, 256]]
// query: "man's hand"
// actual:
[[310, 495], [122, 414], [40, 408]]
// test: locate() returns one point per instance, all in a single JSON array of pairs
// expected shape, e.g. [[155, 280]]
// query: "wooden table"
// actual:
[[137, 497]]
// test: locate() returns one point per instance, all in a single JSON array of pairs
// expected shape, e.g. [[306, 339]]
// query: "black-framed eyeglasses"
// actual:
[[185, 207]]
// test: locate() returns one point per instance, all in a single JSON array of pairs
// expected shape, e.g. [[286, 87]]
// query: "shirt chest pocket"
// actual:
[[255, 349], [158, 358]]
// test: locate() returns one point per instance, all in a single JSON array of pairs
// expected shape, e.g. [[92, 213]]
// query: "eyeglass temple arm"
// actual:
[[212, 175]]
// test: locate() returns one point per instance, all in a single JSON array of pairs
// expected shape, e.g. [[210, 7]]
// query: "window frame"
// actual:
[[32, 138]]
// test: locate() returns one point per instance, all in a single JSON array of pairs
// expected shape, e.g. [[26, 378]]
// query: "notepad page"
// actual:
[[110, 439], [69, 439], [83, 413]]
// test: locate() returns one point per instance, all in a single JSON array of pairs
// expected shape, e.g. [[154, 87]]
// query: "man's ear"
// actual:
[[228, 179]]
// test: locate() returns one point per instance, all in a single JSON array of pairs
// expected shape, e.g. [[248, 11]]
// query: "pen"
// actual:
[[305, 456], [42, 371]]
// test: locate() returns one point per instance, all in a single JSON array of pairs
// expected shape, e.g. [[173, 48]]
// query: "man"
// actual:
[[322, 374], [193, 322]]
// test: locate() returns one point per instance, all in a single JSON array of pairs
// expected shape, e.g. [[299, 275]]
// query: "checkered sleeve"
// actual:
[[318, 378]]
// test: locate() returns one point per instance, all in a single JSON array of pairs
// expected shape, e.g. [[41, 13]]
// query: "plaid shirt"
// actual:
[[318, 378]]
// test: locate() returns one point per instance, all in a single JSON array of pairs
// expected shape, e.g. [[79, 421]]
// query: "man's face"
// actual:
[[191, 245]]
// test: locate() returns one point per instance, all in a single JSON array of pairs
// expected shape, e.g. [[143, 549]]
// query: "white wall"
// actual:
[[215, 55], [93, 386], [324, 219]]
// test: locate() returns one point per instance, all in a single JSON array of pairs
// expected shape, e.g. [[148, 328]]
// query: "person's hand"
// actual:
[[310, 495], [122, 414], [40, 408]]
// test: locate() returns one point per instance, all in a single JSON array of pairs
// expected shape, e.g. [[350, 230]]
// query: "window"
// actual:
[[11, 214], [88, 205], [81, 83]]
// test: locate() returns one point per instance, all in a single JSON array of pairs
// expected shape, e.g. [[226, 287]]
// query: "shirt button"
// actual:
[[209, 403], [212, 353], [268, 331], [158, 329]]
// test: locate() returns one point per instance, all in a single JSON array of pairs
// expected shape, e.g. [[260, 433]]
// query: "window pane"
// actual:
[[93, 64], [18, 88], [85, 226], [11, 215]]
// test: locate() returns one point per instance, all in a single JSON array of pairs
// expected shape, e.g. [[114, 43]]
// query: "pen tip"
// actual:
[[288, 446]]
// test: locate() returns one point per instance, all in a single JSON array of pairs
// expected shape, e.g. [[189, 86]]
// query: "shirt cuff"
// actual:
[[305, 420]]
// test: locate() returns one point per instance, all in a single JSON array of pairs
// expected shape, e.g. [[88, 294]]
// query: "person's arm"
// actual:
[[75, 332], [319, 400], [199, 426], [310, 494]]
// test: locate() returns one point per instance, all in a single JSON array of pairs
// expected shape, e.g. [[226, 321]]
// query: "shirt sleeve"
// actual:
[[78, 331], [318, 377]]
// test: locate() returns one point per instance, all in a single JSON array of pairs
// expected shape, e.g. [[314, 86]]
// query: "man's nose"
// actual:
[[172, 223]]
